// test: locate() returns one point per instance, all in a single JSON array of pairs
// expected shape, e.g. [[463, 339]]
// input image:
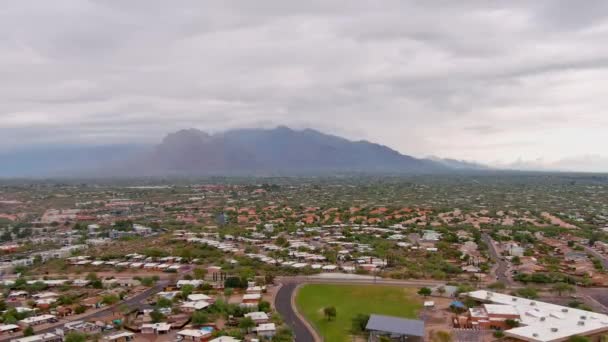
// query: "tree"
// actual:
[[246, 324], [441, 290], [92, 276], [156, 316], [283, 335], [499, 334], [330, 312], [561, 288], [269, 278], [235, 282], [97, 284], [264, 306], [187, 290], [512, 323], [528, 292], [281, 241], [359, 322], [199, 318], [110, 299], [29, 331], [199, 273], [163, 302], [75, 336], [425, 291], [9, 318], [65, 300], [577, 338], [516, 260]]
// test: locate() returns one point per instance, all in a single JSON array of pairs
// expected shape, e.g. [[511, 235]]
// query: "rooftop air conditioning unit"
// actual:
[[542, 319], [583, 317], [581, 322], [553, 329], [564, 310], [532, 303], [514, 299], [534, 335]]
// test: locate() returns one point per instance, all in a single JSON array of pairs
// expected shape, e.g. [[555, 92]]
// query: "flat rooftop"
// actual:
[[544, 322]]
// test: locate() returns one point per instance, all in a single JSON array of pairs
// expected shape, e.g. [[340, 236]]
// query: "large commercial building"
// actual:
[[538, 321]]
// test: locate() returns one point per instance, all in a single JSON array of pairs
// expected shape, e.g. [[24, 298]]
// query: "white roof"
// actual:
[[257, 316], [250, 296], [545, 322], [500, 309], [119, 335], [198, 296], [194, 282], [45, 295], [157, 326], [225, 339], [35, 338], [190, 333], [198, 305], [35, 319], [6, 327], [266, 327]]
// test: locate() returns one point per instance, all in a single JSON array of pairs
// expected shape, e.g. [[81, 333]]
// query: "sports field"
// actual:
[[350, 300]]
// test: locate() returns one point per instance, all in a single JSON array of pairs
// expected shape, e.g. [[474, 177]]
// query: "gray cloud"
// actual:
[[475, 80]]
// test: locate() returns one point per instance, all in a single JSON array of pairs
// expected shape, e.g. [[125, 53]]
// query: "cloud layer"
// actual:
[[478, 81]]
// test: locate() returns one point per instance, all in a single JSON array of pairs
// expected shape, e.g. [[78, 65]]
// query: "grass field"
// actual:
[[350, 300]]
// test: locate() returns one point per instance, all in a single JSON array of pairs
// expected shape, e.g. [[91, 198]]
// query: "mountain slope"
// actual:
[[274, 151]]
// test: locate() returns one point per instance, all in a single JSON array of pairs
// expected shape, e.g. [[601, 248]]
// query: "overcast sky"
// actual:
[[493, 83]]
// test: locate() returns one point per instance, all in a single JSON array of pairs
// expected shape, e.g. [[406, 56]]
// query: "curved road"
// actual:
[[284, 307]]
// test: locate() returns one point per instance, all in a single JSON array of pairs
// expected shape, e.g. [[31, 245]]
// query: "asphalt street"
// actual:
[[283, 306], [501, 270]]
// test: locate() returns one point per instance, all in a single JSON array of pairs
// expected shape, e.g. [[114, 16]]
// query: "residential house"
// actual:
[[121, 336], [155, 328], [267, 330]]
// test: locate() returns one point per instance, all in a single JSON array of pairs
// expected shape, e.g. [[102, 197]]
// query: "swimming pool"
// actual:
[[207, 330]]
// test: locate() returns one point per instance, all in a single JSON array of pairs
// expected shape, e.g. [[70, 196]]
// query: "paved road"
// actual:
[[501, 269], [284, 307]]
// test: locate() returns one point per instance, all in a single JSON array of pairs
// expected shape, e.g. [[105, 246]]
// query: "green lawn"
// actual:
[[350, 300]]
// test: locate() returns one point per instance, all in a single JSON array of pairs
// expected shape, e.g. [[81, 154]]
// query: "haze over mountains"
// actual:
[[191, 152]]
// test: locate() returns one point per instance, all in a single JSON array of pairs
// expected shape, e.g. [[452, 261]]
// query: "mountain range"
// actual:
[[256, 152]]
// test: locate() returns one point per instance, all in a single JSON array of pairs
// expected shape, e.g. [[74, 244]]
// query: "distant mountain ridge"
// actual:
[[275, 151], [280, 151], [459, 164]]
